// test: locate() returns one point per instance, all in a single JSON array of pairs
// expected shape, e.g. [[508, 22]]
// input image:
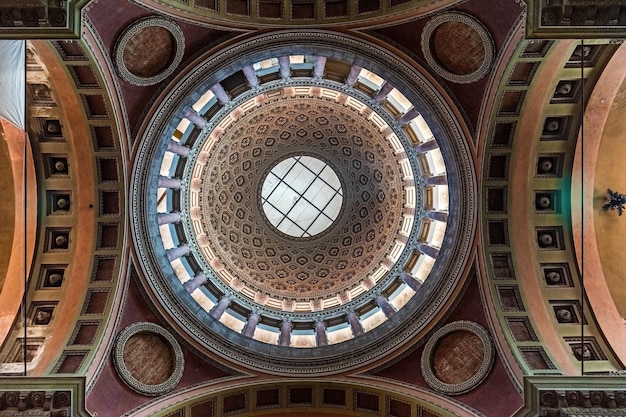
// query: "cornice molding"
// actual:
[[61, 20]]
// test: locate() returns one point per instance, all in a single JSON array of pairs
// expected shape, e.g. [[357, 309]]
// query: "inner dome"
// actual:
[[253, 257], [301, 196]]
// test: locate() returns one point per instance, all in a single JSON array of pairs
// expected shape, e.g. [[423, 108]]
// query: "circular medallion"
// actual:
[[148, 359], [458, 47], [149, 51], [457, 358]]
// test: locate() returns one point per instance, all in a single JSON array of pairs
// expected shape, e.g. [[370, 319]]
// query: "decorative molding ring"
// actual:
[[133, 29], [469, 384], [125, 374], [481, 31]]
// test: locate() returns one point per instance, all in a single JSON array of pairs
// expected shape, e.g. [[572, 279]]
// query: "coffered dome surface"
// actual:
[[236, 231]]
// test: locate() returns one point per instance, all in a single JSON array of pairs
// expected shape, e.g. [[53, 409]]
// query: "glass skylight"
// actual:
[[302, 196]]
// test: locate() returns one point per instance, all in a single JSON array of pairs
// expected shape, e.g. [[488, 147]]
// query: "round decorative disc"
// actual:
[[148, 358], [458, 47], [149, 51], [457, 358]]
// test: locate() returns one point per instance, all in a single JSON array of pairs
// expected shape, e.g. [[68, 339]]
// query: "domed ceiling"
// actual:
[[358, 234], [300, 210]]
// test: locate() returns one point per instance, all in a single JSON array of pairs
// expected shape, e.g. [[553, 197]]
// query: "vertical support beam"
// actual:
[[220, 93], [251, 76], [179, 149], [441, 216], [410, 281], [250, 327], [319, 66], [353, 75], [428, 250], [320, 334], [220, 308], [195, 282], [384, 305], [283, 64], [383, 92], [285, 334], [427, 146], [176, 253], [436, 180], [165, 182], [195, 118], [168, 218], [355, 324], [411, 114]]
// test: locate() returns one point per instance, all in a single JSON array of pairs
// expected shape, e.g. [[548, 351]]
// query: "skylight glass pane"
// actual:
[[330, 178], [290, 228], [314, 164], [319, 225], [283, 197], [297, 201]]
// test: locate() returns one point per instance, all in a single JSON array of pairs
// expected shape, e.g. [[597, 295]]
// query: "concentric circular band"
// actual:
[[127, 376], [480, 30], [470, 383], [127, 35]]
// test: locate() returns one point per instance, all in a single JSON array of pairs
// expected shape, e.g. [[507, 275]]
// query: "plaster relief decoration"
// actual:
[[253, 14], [41, 19], [149, 51], [42, 396], [457, 358], [563, 18], [458, 47], [148, 359], [614, 201], [581, 396]]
